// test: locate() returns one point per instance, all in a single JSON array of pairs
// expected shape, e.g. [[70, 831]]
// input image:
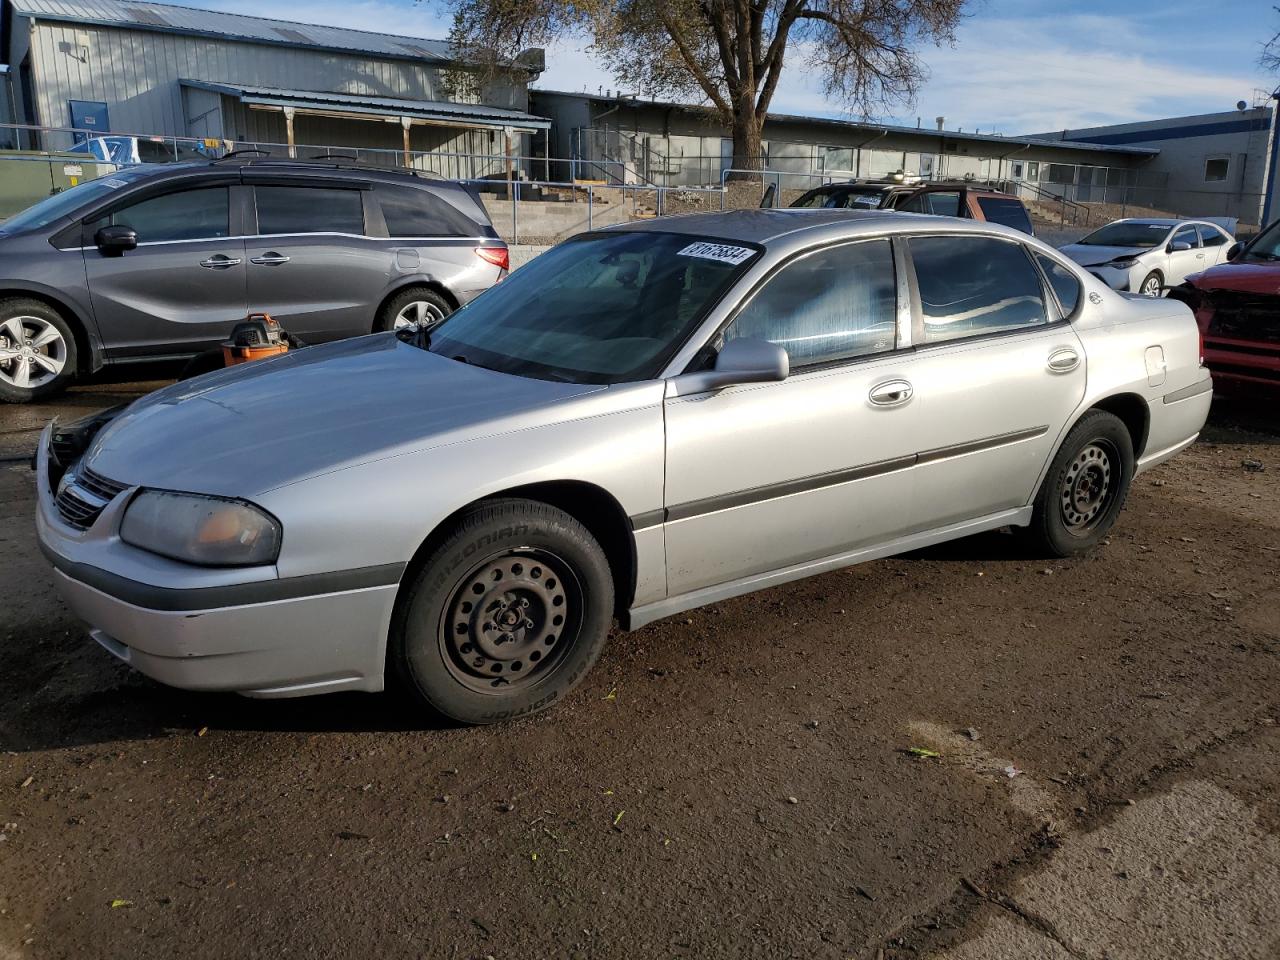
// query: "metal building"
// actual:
[[156, 69]]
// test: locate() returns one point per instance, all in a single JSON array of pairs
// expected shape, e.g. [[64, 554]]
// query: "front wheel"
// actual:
[[1152, 284], [37, 351], [506, 616], [1085, 487]]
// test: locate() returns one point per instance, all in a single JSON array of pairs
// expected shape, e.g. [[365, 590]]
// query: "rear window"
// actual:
[[309, 210], [413, 212], [1005, 210]]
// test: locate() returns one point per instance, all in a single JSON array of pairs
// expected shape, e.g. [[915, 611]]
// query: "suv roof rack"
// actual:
[[335, 161]]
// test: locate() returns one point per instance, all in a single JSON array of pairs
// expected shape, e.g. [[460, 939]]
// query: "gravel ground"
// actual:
[[734, 783]]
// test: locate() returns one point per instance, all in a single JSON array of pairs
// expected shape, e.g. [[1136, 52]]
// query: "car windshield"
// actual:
[[1132, 233], [841, 197], [1266, 246], [600, 308], [62, 204]]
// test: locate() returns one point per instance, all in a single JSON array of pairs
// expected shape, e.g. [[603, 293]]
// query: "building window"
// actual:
[[1215, 169], [1015, 169]]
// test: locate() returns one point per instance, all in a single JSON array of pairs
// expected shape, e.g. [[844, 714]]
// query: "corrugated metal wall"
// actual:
[[137, 72]]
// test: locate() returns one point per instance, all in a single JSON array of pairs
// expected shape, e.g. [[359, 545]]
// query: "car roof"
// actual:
[[769, 225]]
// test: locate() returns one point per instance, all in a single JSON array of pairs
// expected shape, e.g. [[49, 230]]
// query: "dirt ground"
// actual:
[[735, 783]]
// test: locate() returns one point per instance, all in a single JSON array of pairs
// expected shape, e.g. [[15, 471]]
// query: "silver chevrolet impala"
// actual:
[[643, 420]]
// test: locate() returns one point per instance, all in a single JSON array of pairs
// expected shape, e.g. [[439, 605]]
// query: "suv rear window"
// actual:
[[309, 210], [1005, 210], [414, 212]]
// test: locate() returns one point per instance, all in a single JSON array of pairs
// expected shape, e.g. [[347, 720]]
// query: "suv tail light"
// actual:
[[498, 256]]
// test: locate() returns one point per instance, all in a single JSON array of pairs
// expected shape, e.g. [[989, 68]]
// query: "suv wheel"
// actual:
[[37, 351], [415, 305], [505, 617]]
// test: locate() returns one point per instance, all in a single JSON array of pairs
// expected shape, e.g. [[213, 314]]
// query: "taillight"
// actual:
[[499, 256]]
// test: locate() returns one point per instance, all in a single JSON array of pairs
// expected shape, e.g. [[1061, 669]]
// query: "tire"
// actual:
[[509, 559], [413, 303], [1152, 284], [1085, 487], [38, 353]]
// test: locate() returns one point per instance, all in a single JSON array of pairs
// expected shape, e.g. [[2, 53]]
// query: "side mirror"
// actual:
[[739, 361], [114, 241], [1235, 249], [1178, 246]]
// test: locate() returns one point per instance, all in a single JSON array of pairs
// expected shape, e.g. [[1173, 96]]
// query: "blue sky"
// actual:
[[1018, 66]]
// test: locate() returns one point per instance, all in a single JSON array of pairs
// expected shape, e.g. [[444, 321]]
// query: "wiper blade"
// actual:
[[417, 334]]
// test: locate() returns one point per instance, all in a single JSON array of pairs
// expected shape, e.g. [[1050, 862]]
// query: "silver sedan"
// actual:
[[643, 420], [1148, 256]]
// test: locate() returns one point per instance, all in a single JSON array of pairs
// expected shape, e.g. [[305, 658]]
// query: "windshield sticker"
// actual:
[[723, 252]]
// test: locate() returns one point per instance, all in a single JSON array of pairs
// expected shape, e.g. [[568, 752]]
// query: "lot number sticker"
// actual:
[[717, 251]]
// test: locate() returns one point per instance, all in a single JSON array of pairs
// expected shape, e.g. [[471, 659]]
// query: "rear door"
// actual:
[[997, 373], [312, 263], [1214, 242], [183, 288]]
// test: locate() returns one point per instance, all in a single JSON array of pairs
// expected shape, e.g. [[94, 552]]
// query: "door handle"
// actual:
[[1064, 360], [890, 393], [221, 262], [269, 259]]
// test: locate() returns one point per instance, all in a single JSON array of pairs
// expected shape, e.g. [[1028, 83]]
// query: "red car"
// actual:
[[1237, 305]]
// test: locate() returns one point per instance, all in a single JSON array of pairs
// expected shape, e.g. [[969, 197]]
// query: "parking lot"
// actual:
[[967, 752]]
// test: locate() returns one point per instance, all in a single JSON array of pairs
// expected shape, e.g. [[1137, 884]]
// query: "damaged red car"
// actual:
[[1237, 305]]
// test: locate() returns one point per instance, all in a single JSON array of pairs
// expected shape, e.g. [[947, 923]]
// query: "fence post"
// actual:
[[515, 206], [590, 194]]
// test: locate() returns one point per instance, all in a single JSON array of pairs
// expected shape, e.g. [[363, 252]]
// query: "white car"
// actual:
[[130, 151], [1149, 255]]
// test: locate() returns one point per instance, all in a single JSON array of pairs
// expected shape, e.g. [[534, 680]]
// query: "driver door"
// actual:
[[768, 475], [183, 288], [1183, 263]]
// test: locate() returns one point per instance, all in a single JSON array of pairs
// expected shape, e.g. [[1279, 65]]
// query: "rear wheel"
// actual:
[[37, 351], [420, 305], [506, 615], [1152, 284], [1085, 488]]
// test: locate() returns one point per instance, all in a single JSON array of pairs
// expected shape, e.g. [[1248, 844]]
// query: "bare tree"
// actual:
[[728, 53], [1270, 58]]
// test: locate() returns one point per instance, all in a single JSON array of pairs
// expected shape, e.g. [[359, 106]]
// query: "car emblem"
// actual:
[[1095, 298]]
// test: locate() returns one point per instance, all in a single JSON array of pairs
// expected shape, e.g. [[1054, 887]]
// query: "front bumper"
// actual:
[[243, 630], [1118, 280]]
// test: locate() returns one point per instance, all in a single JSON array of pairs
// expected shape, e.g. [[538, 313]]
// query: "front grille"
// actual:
[[83, 498], [1244, 316]]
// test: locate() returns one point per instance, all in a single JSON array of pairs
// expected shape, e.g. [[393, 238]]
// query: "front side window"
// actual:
[[309, 210], [835, 304], [1215, 169], [1065, 285], [942, 203], [1186, 235], [600, 308], [189, 215], [1211, 236], [970, 286]]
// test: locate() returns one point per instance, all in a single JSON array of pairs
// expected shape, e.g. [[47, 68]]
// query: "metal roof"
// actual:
[[462, 113], [163, 17], [865, 126]]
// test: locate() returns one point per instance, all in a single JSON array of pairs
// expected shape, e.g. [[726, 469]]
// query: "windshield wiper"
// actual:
[[416, 334]]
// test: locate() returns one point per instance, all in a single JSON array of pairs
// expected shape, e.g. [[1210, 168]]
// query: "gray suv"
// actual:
[[155, 263]]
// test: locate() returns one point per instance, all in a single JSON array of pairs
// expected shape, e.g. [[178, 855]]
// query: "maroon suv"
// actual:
[[1237, 305]]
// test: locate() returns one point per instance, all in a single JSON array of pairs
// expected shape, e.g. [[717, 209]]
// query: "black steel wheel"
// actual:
[[504, 615], [1085, 488]]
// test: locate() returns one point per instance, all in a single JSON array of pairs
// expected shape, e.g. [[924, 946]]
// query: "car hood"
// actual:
[[1088, 255], [251, 428], [1244, 276]]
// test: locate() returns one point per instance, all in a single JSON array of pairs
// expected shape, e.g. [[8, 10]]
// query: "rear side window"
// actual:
[[835, 304], [970, 286], [1006, 210], [943, 203], [1211, 236], [412, 212], [1065, 285], [188, 215], [309, 210]]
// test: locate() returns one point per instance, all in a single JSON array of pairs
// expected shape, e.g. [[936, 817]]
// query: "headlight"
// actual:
[[210, 531], [1123, 263]]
